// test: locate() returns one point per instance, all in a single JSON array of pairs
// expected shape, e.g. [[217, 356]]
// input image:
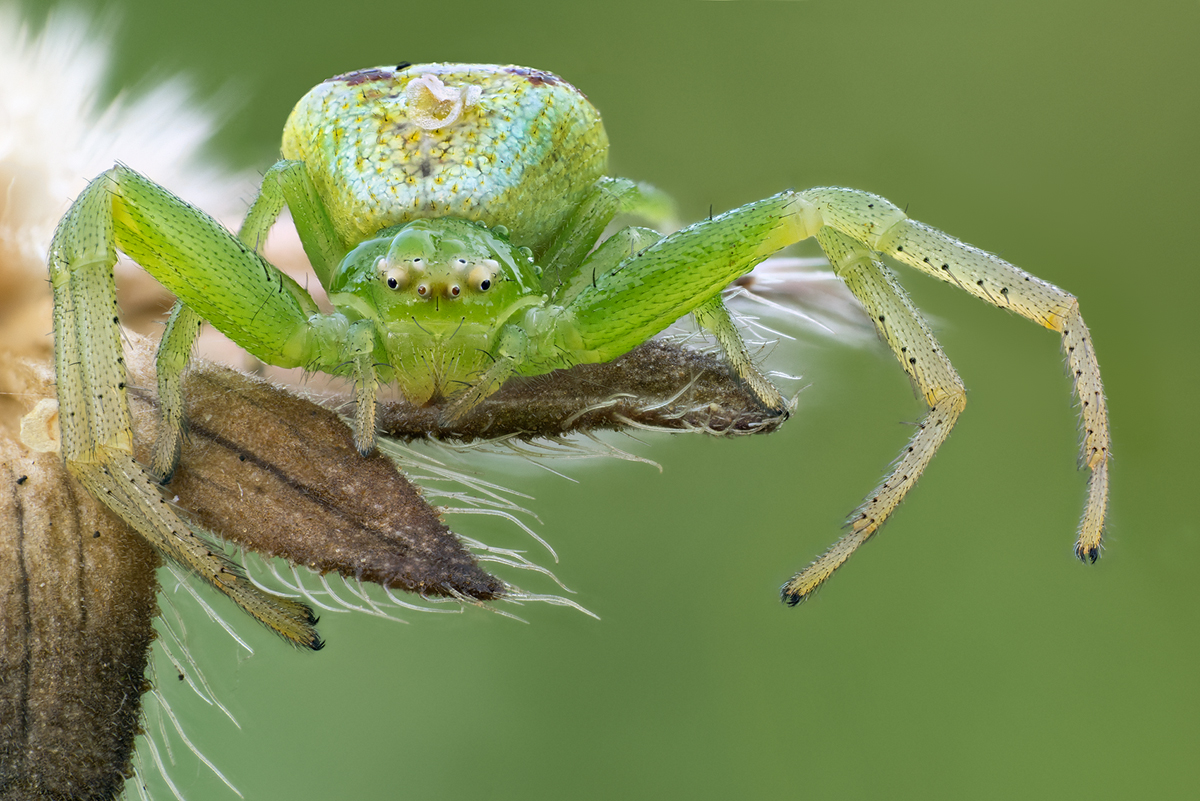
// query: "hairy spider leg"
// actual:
[[853, 226], [192, 255], [634, 298], [934, 378]]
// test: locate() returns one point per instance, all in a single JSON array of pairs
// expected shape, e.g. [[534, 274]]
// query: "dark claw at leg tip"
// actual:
[[1087, 555], [791, 598]]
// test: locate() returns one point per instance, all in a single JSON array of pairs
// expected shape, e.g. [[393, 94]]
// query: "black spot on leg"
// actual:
[[22, 480]]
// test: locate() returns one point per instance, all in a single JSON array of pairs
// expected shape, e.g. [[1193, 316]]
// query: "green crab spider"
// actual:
[[454, 213]]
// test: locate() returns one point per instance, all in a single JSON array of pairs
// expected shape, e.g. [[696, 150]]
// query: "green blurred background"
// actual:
[[964, 653]]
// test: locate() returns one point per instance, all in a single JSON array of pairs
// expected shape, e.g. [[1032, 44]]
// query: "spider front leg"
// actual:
[[221, 280], [854, 226], [616, 301]]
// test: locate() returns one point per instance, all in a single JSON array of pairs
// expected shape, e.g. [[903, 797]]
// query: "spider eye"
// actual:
[[481, 277], [422, 290], [395, 278], [454, 291]]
